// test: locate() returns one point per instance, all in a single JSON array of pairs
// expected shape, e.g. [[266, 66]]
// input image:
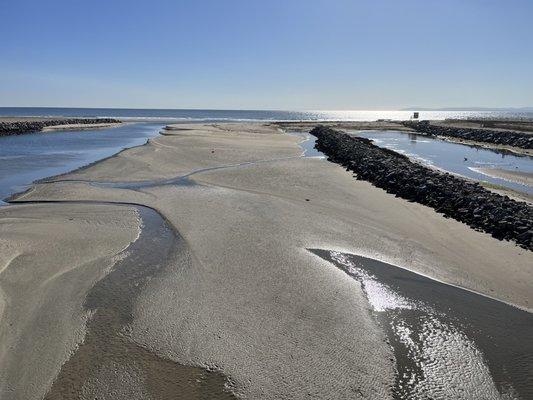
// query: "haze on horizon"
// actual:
[[335, 54]]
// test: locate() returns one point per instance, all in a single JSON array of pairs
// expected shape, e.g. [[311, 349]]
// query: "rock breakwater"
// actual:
[[468, 202], [506, 138], [21, 127]]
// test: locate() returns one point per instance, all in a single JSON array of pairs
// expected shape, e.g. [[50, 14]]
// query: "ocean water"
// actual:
[[448, 342], [251, 115]]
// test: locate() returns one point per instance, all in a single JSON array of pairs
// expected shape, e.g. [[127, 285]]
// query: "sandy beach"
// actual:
[[326, 200], [50, 256], [241, 295]]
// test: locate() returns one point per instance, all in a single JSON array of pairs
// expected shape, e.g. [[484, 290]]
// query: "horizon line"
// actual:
[[452, 108]]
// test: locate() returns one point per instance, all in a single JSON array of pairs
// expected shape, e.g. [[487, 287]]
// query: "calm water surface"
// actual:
[[453, 157], [26, 158]]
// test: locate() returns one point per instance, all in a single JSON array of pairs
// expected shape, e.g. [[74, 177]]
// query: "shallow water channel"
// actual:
[[30, 157], [469, 161], [109, 363]]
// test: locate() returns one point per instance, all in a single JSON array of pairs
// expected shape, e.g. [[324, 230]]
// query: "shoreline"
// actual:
[[49, 178], [250, 287], [514, 193], [408, 304], [15, 198], [403, 127], [500, 138], [523, 178], [490, 146], [47, 320], [463, 200]]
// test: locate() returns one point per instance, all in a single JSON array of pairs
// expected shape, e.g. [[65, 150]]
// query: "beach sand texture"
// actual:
[[247, 299], [50, 256]]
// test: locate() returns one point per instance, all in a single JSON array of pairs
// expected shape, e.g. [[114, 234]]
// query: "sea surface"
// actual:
[[252, 115], [454, 157], [26, 158]]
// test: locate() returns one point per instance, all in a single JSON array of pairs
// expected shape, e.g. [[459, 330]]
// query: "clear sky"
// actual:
[[275, 54]]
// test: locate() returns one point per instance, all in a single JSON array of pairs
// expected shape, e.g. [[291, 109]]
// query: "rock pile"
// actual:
[[465, 201], [20, 127], [508, 138]]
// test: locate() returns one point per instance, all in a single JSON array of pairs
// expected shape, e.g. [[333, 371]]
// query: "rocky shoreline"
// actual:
[[506, 138], [465, 201], [21, 127]]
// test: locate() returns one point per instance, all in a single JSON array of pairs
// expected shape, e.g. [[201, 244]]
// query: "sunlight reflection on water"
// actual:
[[448, 342]]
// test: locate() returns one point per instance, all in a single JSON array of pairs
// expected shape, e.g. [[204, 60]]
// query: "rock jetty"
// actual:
[[465, 201], [21, 127], [506, 138]]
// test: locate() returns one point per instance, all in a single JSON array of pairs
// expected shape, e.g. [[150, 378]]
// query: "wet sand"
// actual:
[[523, 178], [243, 296], [441, 333], [108, 354], [488, 125], [50, 257]]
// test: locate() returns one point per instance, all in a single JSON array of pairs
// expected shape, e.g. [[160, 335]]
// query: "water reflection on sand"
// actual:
[[26, 158], [448, 342]]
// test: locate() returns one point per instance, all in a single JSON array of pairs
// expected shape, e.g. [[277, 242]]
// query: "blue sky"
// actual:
[[275, 54]]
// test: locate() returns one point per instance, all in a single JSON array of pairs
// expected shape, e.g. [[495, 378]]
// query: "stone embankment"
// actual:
[[20, 127], [505, 138], [465, 201]]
